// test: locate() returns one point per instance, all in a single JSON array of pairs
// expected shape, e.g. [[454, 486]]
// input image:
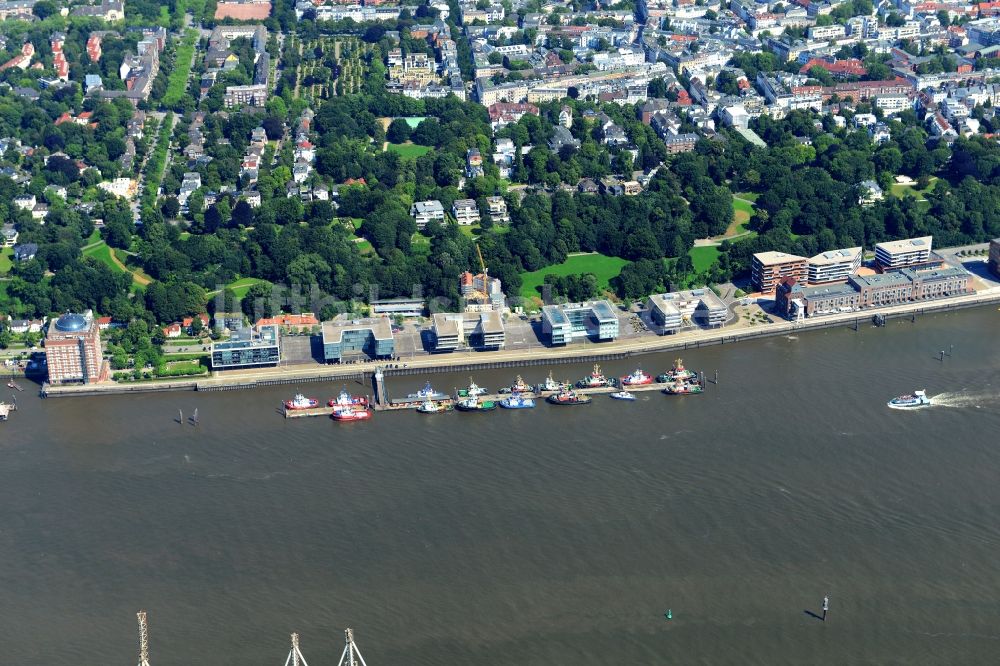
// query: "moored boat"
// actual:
[[637, 378], [683, 388], [677, 373], [517, 401], [568, 398], [345, 399], [551, 384], [351, 413], [595, 379], [427, 392], [912, 401], [301, 402], [517, 387], [473, 390], [623, 395], [474, 404], [430, 407]]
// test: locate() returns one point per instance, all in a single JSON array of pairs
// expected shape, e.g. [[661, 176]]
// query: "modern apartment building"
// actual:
[[480, 330], [909, 253], [674, 310], [833, 266], [595, 320], [768, 268], [248, 348], [371, 337], [424, 212]]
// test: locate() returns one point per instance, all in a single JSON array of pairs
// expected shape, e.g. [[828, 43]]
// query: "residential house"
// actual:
[[465, 211]]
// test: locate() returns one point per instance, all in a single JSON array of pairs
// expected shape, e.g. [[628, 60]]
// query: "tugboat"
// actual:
[[345, 399], [916, 400], [351, 413], [301, 402], [428, 406], [473, 390], [568, 398], [551, 384], [517, 401], [517, 387], [594, 380], [683, 388], [623, 395], [637, 378], [427, 392], [474, 404], [677, 374]]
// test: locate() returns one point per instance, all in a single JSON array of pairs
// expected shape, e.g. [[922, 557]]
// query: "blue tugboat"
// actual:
[[517, 401]]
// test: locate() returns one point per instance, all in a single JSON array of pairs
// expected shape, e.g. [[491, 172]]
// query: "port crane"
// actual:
[[351, 656], [143, 639], [295, 657]]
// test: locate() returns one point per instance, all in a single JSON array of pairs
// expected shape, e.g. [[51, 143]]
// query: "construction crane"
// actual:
[[143, 639], [482, 264], [295, 655], [351, 656]]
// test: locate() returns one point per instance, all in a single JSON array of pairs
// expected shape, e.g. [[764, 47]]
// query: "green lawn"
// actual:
[[409, 151], [94, 237], [748, 196], [703, 257], [602, 266], [242, 286], [898, 190], [102, 253], [6, 260]]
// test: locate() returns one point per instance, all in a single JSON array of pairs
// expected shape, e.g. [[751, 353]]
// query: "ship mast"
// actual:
[[295, 655], [351, 656], [143, 639]]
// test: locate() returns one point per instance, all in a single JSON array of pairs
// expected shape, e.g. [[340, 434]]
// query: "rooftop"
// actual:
[[828, 290], [906, 245], [334, 331], [835, 256], [772, 258]]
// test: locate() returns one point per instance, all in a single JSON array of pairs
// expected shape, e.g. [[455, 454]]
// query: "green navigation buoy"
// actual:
[[670, 614]]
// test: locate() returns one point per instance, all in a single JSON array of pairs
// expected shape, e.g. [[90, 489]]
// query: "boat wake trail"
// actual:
[[966, 400]]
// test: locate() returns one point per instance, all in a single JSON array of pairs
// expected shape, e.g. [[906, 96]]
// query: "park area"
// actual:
[[602, 266]]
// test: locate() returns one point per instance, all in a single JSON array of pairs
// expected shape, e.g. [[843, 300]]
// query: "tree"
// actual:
[[399, 131]]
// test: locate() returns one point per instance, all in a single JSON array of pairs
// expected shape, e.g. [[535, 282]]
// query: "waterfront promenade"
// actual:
[[622, 348]]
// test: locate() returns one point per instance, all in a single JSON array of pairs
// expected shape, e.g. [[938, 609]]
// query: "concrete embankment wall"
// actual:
[[535, 357]]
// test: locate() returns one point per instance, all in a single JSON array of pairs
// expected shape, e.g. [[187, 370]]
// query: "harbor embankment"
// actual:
[[507, 358]]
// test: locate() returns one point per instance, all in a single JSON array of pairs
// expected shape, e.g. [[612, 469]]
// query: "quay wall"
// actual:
[[596, 352]]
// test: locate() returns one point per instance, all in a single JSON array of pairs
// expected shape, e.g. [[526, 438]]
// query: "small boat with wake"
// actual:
[[914, 400], [683, 388], [623, 395]]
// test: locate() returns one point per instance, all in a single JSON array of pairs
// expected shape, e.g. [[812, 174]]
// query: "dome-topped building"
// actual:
[[71, 322], [73, 350]]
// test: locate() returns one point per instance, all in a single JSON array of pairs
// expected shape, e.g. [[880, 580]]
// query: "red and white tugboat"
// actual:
[[595, 379], [301, 402], [351, 413], [637, 378], [345, 399]]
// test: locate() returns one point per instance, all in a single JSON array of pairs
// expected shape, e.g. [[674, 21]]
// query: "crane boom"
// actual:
[[143, 639], [482, 264]]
